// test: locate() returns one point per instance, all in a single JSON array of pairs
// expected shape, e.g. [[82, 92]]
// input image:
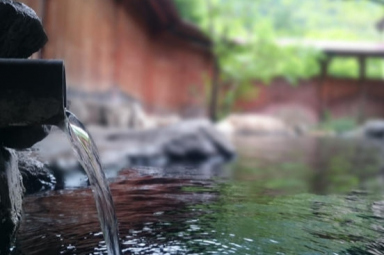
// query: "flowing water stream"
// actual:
[[88, 156]]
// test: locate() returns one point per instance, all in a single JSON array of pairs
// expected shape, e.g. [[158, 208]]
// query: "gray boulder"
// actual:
[[374, 129], [194, 140], [190, 141]]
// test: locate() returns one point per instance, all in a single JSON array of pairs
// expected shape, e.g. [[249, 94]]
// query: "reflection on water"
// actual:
[[282, 197]]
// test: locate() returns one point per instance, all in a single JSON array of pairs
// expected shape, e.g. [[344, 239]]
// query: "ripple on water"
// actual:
[[197, 224], [252, 214]]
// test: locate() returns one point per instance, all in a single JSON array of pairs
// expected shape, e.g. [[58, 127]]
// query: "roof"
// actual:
[[340, 48], [164, 16]]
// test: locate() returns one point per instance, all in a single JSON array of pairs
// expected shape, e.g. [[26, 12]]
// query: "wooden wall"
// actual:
[[107, 43], [341, 98]]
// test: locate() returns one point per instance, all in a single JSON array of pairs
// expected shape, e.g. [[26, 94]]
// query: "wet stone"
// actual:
[[21, 34], [21, 31], [37, 176], [22, 137], [11, 194]]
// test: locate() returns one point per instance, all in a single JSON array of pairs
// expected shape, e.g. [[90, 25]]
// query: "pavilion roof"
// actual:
[[340, 48]]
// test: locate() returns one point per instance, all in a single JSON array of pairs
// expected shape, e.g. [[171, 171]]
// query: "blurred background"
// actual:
[[305, 63]]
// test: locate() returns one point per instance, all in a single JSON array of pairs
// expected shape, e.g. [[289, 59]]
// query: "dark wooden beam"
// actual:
[[362, 89], [324, 64], [214, 90], [378, 1], [354, 53], [381, 2]]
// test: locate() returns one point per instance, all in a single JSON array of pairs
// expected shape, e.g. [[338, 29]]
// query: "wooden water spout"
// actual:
[[31, 96]]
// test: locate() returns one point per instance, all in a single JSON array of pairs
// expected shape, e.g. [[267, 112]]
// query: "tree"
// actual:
[[245, 35]]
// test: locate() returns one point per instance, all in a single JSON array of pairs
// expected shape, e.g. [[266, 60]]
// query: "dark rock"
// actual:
[[22, 137], [190, 145], [194, 143], [194, 140], [223, 147], [11, 194], [21, 31], [190, 141], [36, 176], [21, 34], [374, 129]]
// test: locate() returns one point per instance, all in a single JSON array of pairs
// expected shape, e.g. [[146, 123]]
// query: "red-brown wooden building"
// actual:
[[146, 50], [140, 46]]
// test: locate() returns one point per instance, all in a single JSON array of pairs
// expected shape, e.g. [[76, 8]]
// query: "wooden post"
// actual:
[[216, 68], [362, 89], [214, 90], [322, 95]]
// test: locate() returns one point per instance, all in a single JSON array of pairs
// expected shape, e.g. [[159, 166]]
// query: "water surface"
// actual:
[[282, 196]]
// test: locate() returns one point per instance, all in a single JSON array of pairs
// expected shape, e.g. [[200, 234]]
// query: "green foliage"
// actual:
[[246, 32]]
